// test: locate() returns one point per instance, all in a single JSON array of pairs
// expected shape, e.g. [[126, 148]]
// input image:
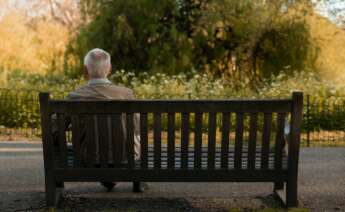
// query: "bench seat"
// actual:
[[204, 159]]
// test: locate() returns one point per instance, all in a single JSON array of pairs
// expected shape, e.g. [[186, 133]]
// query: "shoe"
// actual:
[[108, 185], [139, 187]]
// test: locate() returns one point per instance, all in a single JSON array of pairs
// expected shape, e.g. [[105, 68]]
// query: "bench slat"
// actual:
[[91, 150], [184, 139], [118, 136], [204, 154], [143, 139], [266, 140], [279, 143], [166, 175], [176, 106], [239, 141], [225, 138], [212, 127], [203, 160], [198, 139], [252, 140], [157, 138], [130, 139], [204, 149], [62, 139], [76, 139], [104, 139], [204, 165], [191, 163], [171, 140]]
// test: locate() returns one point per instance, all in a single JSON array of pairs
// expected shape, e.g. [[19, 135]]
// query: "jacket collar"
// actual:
[[99, 81]]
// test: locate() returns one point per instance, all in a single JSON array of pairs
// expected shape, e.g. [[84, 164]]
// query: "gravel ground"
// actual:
[[321, 187]]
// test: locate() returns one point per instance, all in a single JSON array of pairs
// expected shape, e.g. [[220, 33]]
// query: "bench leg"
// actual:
[[139, 187], [278, 186], [53, 193], [60, 185], [291, 194]]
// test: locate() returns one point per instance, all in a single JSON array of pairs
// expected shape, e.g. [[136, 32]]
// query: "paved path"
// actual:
[[321, 187]]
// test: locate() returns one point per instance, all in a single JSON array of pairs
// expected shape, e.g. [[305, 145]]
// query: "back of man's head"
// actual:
[[97, 63]]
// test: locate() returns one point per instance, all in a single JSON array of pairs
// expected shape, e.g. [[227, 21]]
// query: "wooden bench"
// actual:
[[181, 141]]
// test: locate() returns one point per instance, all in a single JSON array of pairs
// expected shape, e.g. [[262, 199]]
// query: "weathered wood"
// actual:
[[144, 139], [168, 175], [103, 140], [91, 150], [217, 162], [239, 141], [169, 161], [279, 141], [204, 159], [184, 139], [204, 166], [118, 136], [62, 139], [198, 140], [294, 145], [171, 140], [212, 127], [252, 140], [76, 135], [203, 149], [266, 140], [279, 145], [130, 139], [225, 139], [157, 138], [176, 106], [48, 150]]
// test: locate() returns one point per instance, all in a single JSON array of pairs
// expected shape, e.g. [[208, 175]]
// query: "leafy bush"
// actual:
[[233, 39], [19, 109], [163, 86], [19, 102]]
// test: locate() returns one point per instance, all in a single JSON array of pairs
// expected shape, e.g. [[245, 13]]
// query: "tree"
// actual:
[[35, 42], [220, 37], [63, 12]]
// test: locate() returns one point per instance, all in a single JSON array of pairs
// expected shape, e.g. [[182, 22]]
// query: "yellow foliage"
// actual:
[[36, 47], [16, 49], [330, 39], [51, 42]]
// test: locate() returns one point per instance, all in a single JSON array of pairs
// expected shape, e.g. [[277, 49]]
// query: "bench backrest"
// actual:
[[183, 134]]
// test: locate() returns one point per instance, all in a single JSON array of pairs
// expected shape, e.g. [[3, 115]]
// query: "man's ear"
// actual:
[[86, 73], [109, 71]]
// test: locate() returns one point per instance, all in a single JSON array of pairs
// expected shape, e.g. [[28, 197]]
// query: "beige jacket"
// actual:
[[100, 89]]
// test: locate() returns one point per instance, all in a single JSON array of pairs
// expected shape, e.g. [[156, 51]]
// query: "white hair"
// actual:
[[98, 63]]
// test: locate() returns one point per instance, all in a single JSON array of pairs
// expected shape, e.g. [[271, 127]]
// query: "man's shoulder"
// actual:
[[83, 91], [105, 91], [121, 89]]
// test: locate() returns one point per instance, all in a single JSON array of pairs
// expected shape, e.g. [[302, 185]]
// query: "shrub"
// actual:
[[19, 103]]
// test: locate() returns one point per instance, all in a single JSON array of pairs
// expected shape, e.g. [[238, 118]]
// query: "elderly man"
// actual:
[[97, 67]]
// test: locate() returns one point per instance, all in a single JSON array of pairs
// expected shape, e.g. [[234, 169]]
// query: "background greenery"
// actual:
[[19, 103], [177, 49], [238, 40]]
